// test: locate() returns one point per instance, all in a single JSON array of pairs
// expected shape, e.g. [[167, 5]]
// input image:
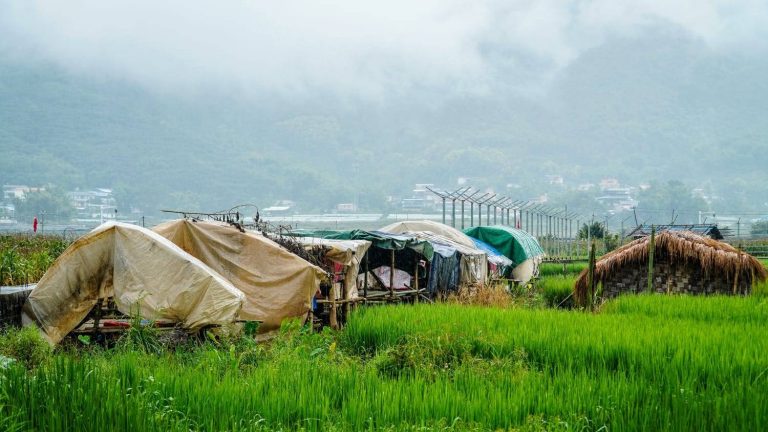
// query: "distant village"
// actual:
[[608, 197], [90, 206]]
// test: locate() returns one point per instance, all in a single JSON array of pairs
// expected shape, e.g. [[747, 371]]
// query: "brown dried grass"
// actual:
[[494, 294]]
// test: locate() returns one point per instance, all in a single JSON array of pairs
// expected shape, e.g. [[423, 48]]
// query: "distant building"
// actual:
[[421, 199], [346, 207], [282, 207], [609, 183], [11, 192], [617, 199], [96, 204]]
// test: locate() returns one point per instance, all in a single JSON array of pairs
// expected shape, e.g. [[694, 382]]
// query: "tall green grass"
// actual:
[[561, 269], [557, 290], [641, 363], [24, 258], [693, 371]]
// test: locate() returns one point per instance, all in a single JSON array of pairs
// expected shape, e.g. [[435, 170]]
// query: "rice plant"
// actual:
[[557, 291], [561, 269], [640, 363]]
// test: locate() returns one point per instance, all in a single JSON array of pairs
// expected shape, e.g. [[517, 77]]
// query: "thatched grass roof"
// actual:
[[677, 247]]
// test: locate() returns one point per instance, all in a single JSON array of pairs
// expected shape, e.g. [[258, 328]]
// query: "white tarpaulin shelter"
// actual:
[[142, 270], [277, 283], [451, 233], [348, 253]]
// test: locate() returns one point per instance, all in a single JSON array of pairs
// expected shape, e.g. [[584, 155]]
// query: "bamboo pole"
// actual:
[[392, 276], [345, 290], [591, 277], [416, 281], [738, 271], [651, 251], [365, 278], [334, 320]]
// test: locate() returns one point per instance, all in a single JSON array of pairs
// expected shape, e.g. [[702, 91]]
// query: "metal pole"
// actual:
[[479, 215], [453, 213], [462, 214], [471, 213], [443, 210]]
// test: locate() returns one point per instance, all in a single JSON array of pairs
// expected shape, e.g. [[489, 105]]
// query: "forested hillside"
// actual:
[[627, 109]]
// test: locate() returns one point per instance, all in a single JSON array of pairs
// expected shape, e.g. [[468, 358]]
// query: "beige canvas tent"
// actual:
[[451, 233], [348, 253], [142, 271], [277, 283]]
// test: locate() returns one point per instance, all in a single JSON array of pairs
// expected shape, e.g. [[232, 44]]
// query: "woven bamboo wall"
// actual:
[[672, 279]]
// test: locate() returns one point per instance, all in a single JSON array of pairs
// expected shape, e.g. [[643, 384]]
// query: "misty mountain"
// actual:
[[657, 107]]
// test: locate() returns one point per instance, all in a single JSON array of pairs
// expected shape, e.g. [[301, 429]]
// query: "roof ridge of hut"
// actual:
[[677, 246]]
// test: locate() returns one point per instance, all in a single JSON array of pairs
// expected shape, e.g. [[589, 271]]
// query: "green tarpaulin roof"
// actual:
[[378, 239], [514, 244]]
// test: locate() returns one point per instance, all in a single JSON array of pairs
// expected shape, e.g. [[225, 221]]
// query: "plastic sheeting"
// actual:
[[401, 279], [143, 271], [348, 253], [378, 239], [277, 283], [473, 262], [494, 256], [444, 271], [513, 243], [451, 233]]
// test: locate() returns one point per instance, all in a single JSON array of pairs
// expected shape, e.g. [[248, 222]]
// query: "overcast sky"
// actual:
[[353, 48]]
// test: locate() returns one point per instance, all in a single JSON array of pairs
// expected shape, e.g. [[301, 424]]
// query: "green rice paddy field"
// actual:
[[640, 363], [643, 362]]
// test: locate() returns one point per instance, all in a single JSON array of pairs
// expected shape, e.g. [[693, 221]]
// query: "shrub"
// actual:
[[26, 346]]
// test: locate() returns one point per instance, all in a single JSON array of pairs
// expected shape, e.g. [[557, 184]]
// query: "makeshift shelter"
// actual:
[[142, 271], [277, 283], [451, 233], [683, 262], [517, 245], [498, 264], [404, 254], [348, 254], [473, 263]]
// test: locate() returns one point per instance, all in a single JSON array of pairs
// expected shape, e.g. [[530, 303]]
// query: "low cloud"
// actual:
[[358, 49]]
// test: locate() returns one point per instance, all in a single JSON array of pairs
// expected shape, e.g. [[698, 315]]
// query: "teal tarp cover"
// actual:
[[378, 239], [513, 243]]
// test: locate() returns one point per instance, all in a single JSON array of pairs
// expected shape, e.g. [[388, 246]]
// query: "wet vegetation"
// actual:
[[482, 360], [24, 258]]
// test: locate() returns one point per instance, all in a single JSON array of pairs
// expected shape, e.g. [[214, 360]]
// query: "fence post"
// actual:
[[651, 250], [591, 278]]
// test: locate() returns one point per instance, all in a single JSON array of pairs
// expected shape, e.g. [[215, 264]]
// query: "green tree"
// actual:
[[760, 229], [51, 203], [596, 230]]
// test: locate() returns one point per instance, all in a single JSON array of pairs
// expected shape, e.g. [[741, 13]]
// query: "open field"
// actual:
[[642, 363]]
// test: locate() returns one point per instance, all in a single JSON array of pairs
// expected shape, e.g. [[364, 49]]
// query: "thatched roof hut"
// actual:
[[684, 262]]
